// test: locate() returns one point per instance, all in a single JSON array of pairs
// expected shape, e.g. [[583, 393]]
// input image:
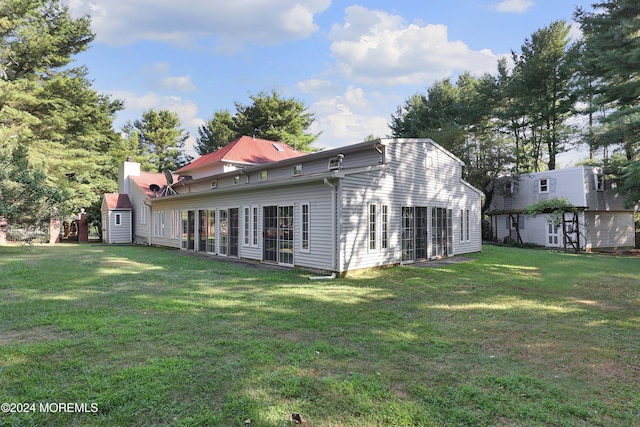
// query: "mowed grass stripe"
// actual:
[[513, 337]]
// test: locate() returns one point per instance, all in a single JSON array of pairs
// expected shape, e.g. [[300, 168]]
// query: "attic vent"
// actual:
[[277, 146]]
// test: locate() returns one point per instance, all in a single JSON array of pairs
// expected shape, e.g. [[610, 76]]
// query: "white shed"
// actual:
[[116, 218]]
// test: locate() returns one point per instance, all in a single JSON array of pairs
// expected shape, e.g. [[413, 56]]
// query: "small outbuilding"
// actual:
[[117, 218]]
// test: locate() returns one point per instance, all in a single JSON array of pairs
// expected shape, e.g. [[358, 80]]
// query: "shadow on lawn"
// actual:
[[195, 341]]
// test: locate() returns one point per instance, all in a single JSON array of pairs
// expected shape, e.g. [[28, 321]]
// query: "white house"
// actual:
[[602, 221], [376, 203]]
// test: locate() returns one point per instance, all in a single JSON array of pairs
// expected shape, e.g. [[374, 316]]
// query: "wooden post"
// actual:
[[576, 220]]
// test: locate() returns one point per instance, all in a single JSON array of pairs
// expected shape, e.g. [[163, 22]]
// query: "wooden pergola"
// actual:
[[570, 225]]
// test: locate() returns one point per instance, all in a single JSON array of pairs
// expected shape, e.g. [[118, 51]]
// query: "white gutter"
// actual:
[[150, 241]]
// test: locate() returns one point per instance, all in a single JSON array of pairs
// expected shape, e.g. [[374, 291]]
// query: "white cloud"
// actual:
[[158, 78], [318, 86], [514, 6], [376, 48], [230, 23], [346, 118], [136, 104], [178, 83]]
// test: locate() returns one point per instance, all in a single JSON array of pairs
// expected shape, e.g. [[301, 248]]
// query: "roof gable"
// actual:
[[245, 150], [117, 201]]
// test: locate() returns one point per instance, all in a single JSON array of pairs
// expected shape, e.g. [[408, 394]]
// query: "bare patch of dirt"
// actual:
[[31, 335]]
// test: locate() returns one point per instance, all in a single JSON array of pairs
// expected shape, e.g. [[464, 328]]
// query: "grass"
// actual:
[[153, 337]]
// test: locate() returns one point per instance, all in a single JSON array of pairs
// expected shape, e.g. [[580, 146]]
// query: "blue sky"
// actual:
[[351, 63]]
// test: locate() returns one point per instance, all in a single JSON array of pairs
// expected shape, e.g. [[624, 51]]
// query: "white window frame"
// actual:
[[384, 227], [467, 225], [599, 180], [144, 209], [246, 226], [254, 226], [545, 185], [509, 189], [334, 164], [297, 169], [305, 227], [117, 219], [372, 227], [158, 224], [264, 174], [176, 224]]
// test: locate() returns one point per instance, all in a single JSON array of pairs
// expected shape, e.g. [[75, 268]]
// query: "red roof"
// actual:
[[145, 180], [246, 150], [117, 201]]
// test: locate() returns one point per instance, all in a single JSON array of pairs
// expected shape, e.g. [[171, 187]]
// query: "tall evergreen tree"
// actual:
[[460, 117], [544, 76], [269, 116], [49, 108], [279, 119], [163, 139], [25, 196], [215, 133], [612, 53]]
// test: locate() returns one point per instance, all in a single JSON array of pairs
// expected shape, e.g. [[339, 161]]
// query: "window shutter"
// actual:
[[552, 185], [521, 221], [536, 187]]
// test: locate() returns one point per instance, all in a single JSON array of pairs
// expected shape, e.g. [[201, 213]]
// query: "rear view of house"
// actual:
[[376, 203]]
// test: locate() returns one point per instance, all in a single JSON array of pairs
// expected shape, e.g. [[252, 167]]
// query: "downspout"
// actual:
[[150, 241], [334, 236]]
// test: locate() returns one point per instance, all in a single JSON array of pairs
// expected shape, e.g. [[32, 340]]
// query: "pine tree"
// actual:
[[49, 108], [215, 133], [275, 118], [163, 139]]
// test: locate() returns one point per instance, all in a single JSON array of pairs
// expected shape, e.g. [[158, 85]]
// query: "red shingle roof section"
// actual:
[[246, 150], [117, 201], [145, 180]]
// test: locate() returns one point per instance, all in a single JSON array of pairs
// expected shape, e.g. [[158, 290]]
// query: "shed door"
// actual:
[[553, 236]]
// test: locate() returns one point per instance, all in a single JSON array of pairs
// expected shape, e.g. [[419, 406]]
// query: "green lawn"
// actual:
[[138, 336]]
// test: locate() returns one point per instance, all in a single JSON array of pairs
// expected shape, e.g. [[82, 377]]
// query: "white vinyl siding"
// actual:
[[119, 226], [351, 220]]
